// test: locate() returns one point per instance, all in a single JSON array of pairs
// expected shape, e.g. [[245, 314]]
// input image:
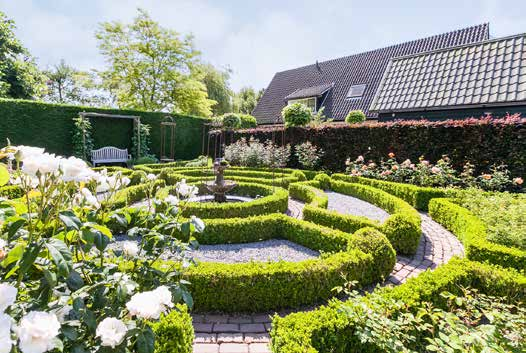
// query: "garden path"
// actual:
[[249, 333]]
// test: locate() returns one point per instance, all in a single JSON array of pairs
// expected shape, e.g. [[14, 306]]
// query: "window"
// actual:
[[356, 91], [309, 102]]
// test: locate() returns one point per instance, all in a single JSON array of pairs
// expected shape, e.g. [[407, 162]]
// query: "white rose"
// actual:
[[89, 198], [3, 244], [172, 200], [37, 331], [7, 296], [125, 181], [5, 333], [185, 190], [130, 248], [151, 177], [164, 296], [198, 224], [75, 169], [45, 163], [111, 332], [27, 152], [150, 305]]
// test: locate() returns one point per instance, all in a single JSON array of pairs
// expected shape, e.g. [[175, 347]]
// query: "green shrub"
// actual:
[[174, 332], [310, 193], [329, 329], [501, 212], [131, 194], [11, 191], [473, 234], [355, 116], [416, 196], [248, 121], [231, 121], [274, 200], [145, 160], [325, 181], [366, 257], [296, 114]]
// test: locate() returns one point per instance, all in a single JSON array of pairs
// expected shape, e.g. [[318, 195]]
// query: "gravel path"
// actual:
[[262, 251], [354, 206]]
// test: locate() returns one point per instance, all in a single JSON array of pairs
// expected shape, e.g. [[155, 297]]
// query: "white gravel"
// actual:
[[263, 251], [346, 204]]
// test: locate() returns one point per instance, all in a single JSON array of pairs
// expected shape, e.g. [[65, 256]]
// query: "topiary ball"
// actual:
[[355, 116], [296, 114], [231, 121]]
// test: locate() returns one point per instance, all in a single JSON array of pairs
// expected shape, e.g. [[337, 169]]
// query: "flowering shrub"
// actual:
[[61, 286], [256, 154], [308, 155], [441, 174]]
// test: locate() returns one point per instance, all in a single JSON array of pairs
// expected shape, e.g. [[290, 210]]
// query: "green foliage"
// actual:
[[65, 84], [81, 140], [231, 121], [51, 126], [355, 116], [365, 257], [218, 88], [308, 155], [472, 232], [310, 193], [246, 100], [19, 75], [253, 153], [508, 227], [296, 114], [152, 68], [331, 328], [274, 200], [174, 333], [144, 143], [145, 160], [417, 196], [11, 191], [248, 121]]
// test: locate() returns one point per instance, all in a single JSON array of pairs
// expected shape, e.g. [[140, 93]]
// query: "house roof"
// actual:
[[364, 68], [492, 72], [314, 91]]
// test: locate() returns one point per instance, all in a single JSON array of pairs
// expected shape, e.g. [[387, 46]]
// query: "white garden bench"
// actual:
[[109, 155]]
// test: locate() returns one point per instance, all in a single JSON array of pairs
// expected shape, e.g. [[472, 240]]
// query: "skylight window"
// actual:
[[356, 91]]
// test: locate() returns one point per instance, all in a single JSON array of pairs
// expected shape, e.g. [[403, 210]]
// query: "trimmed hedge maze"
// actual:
[[365, 256], [328, 329], [402, 228]]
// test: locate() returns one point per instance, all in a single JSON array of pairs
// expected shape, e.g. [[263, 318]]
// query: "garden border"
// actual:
[[328, 327], [471, 231]]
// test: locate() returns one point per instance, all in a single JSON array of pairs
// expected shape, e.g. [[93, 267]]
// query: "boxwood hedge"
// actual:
[[402, 228], [274, 200], [471, 231], [327, 329], [417, 196], [365, 256], [174, 332]]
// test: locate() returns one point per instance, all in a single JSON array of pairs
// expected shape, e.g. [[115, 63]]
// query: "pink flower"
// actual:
[[435, 170], [359, 159], [424, 162], [391, 155], [364, 167], [518, 181], [395, 167], [486, 176]]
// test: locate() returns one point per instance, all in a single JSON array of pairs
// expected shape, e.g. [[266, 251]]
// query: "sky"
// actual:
[[255, 39]]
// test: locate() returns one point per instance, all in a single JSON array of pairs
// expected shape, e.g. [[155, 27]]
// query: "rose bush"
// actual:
[[61, 286]]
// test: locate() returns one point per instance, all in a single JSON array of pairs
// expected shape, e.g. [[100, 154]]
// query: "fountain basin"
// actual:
[[228, 198]]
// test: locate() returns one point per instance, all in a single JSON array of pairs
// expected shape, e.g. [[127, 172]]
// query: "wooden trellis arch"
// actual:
[[136, 127], [168, 153]]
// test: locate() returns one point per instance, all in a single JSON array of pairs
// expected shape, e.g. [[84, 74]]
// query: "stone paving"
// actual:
[[249, 333]]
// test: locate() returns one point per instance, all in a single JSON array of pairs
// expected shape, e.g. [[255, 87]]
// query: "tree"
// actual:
[[68, 85], [246, 100], [19, 75], [218, 88], [152, 68]]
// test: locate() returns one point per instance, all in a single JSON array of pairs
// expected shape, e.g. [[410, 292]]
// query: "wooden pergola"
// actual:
[[136, 126]]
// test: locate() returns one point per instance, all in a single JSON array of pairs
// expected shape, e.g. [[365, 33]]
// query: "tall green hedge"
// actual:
[[51, 126]]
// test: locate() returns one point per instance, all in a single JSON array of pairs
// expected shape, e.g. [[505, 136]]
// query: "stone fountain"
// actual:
[[219, 187]]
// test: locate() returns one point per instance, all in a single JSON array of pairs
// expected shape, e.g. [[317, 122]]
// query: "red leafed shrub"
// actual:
[[483, 142]]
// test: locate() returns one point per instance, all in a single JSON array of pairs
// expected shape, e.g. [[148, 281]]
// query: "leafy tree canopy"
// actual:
[[246, 100], [68, 85], [218, 88], [19, 75], [152, 68]]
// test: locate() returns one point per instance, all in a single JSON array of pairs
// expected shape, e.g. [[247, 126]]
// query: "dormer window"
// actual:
[[308, 102], [356, 91]]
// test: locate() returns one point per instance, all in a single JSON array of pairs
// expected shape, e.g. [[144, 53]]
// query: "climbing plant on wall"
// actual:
[[82, 140], [144, 141]]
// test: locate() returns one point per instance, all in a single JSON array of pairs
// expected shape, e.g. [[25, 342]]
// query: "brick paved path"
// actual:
[[249, 334]]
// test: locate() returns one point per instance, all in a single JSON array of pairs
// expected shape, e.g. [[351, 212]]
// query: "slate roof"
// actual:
[[492, 72], [314, 91], [364, 68]]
